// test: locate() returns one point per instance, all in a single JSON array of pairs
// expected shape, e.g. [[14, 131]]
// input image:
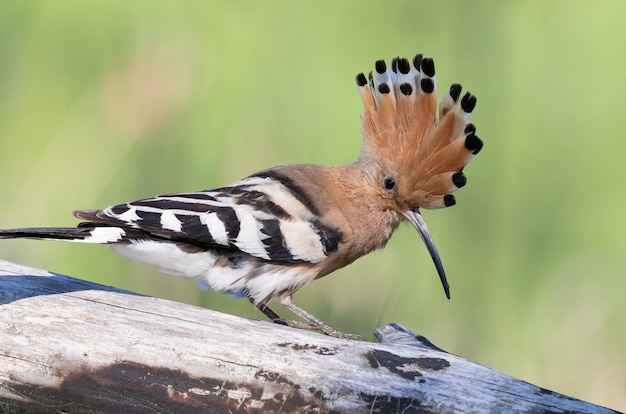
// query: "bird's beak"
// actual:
[[415, 218]]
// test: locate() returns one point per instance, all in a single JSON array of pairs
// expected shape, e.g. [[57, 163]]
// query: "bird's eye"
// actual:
[[389, 183]]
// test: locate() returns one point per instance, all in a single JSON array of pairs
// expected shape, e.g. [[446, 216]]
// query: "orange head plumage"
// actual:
[[421, 147], [416, 149]]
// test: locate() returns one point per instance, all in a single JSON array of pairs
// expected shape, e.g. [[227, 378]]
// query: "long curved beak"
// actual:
[[415, 218]]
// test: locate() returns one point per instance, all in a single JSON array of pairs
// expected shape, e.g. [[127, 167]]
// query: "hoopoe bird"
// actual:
[[268, 235]]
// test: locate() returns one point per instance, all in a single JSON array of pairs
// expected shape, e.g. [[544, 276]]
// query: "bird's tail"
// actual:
[[81, 234]]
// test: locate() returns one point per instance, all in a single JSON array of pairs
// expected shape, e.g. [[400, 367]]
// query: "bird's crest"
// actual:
[[407, 134]]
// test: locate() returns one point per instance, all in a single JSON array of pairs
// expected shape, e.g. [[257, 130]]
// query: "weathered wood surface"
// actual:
[[71, 346]]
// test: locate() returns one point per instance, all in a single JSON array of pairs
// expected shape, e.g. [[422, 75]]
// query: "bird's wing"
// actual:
[[259, 215]]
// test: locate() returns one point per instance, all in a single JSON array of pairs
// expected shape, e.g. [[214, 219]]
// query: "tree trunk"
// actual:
[[68, 345]]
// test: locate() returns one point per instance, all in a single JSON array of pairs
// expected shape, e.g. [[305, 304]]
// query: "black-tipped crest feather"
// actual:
[[410, 138]]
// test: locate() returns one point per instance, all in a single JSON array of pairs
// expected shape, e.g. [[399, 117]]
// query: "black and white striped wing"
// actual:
[[259, 215]]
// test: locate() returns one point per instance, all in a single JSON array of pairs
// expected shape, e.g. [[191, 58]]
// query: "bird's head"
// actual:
[[415, 148]]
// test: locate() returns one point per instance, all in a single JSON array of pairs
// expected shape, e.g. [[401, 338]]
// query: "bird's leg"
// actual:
[[314, 323], [273, 316]]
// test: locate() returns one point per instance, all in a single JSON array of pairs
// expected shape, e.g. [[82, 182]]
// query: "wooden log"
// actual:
[[71, 346]]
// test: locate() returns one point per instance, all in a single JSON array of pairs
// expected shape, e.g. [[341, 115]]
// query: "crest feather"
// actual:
[[408, 133]]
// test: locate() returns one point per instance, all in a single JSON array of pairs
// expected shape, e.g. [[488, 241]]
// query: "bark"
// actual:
[[68, 345]]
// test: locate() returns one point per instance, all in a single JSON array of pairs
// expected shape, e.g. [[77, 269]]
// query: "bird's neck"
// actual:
[[346, 199], [372, 221]]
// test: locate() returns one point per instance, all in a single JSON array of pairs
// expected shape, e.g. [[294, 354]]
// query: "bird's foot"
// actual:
[[312, 323], [317, 324], [319, 327]]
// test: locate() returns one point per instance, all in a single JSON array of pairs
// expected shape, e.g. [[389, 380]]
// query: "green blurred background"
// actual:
[[103, 102]]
